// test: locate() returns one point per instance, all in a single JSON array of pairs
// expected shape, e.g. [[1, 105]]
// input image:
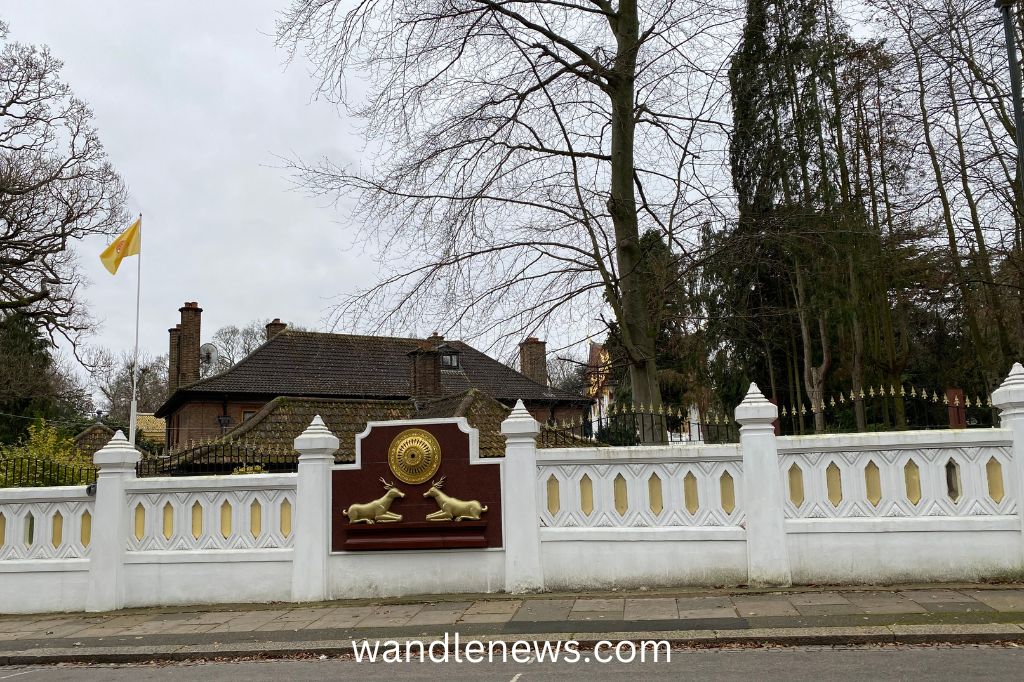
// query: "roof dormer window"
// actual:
[[449, 360]]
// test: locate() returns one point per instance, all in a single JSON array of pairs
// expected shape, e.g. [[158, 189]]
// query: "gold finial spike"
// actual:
[[862, 393], [956, 401], [903, 391], [935, 396], [832, 402], [803, 409], [924, 393], [842, 400], [913, 391], [822, 406], [892, 390], [988, 401], [871, 391], [945, 399], [784, 411]]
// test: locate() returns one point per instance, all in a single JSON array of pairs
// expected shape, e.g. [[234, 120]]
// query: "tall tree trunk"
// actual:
[[638, 332]]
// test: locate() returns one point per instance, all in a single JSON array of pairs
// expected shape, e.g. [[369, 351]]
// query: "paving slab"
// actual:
[[433, 617], [599, 605], [776, 607], [817, 598], [501, 606], [703, 603], [1000, 600], [955, 607], [650, 609], [485, 618], [922, 596], [830, 609], [448, 606], [544, 610], [701, 614]]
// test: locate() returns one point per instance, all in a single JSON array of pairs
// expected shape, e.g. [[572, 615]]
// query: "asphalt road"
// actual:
[[790, 664]]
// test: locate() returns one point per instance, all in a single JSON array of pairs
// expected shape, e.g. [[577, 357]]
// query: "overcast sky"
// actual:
[[193, 103]]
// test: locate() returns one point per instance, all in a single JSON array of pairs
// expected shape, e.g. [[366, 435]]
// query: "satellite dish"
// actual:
[[208, 356]]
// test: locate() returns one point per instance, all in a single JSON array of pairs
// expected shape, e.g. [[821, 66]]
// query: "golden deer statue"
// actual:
[[377, 510], [451, 509]]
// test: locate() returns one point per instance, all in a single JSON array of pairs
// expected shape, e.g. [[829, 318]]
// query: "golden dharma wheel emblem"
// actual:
[[414, 456]]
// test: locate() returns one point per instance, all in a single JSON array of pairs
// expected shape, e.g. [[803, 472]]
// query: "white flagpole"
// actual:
[[135, 354]]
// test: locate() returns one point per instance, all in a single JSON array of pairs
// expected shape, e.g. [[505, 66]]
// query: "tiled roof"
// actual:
[[272, 430], [294, 363]]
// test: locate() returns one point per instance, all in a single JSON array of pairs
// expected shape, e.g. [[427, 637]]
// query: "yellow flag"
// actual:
[[128, 243]]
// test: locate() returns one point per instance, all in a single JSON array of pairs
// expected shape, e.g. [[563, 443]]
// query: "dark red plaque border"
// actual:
[[462, 480]]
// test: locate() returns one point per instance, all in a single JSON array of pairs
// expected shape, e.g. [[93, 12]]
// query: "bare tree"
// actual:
[[112, 377], [56, 186], [524, 148]]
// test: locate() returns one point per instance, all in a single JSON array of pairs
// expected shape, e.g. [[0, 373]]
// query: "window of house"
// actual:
[[247, 413], [450, 361]]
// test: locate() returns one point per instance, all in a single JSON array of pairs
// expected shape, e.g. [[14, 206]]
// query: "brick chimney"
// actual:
[[172, 359], [275, 327], [435, 340], [188, 343], [533, 360], [425, 364]]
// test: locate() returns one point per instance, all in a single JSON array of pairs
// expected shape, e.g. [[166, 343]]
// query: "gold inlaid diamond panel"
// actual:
[[796, 485], [691, 499], [256, 519], [873, 483], [912, 481], [86, 530], [654, 494], [953, 486], [57, 534], [197, 520], [994, 474], [554, 501], [727, 489], [168, 521], [621, 495], [225, 520], [140, 522], [586, 495], [286, 518], [414, 456], [834, 484]]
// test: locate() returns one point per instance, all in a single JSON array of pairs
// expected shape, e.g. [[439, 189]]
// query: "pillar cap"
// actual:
[[755, 408], [1010, 393], [117, 454], [520, 422], [317, 439]]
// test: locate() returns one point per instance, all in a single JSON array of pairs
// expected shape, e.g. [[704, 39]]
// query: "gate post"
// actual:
[[1009, 398], [316, 446], [116, 463], [763, 495], [523, 569]]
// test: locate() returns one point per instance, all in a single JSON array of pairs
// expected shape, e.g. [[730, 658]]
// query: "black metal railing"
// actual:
[[28, 472], [219, 459], [636, 427], [891, 411]]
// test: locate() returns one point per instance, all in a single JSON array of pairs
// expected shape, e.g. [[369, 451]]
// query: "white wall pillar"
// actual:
[[316, 446], [523, 569], [763, 492], [1009, 398], [116, 463]]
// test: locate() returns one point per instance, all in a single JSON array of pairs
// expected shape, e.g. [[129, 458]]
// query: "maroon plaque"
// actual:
[[414, 486]]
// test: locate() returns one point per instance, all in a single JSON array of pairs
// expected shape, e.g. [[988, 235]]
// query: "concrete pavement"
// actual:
[[911, 614], [800, 664]]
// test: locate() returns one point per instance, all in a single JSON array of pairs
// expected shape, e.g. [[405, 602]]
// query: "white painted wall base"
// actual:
[[355, 575]]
